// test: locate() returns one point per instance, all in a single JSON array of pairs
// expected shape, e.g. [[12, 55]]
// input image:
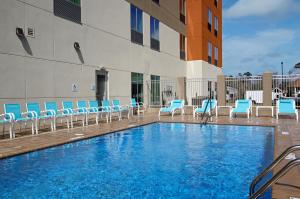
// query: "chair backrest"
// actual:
[[210, 104], [51, 106], [67, 106], [177, 103], [286, 105], [133, 102], [14, 109], [34, 107], [93, 104], [116, 102], [82, 105], [243, 104], [105, 105]]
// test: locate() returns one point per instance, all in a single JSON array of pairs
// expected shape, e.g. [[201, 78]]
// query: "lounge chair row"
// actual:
[[83, 110], [242, 106]]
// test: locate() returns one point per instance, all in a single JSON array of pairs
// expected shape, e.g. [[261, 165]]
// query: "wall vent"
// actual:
[[30, 32]]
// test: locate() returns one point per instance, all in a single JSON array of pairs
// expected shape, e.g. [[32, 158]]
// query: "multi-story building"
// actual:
[[83, 49]]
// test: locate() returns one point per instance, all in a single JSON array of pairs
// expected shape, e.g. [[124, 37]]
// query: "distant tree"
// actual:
[[248, 74]]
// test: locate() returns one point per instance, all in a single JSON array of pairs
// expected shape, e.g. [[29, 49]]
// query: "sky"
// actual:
[[260, 34]]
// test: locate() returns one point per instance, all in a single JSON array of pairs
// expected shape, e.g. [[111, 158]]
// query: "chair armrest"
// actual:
[[7, 116], [29, 114], [67, 111], [195, 107], [94, 109], [50, 112]]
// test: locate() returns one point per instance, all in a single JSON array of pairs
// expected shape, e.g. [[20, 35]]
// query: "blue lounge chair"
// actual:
[[242, 107], [286, 107], [83, 109], [52, 110], [176, 105], [94, 109], [6, 119], [118, 107], [38, 115], [207, 107], [136, 106], [69, 110], [14, 115], [106, 109]]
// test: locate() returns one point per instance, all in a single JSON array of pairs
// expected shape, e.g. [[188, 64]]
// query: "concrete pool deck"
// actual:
[[288, 186]]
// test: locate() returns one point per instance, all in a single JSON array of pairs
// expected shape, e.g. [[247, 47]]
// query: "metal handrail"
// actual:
[[271, 166], [275, 178], [209, 103]]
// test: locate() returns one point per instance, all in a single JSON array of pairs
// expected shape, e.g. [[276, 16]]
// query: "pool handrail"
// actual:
[[208, 105], [281, 157]]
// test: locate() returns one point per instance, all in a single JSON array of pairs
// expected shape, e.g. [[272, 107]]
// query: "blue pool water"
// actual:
[[161, 160]]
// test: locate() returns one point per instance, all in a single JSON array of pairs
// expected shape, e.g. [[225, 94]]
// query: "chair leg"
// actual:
[[51, 125], [68, 123], [11, 131], [32, 127], [72, 123], [36, 126], [97, 115], [87, 119], [54, 123]]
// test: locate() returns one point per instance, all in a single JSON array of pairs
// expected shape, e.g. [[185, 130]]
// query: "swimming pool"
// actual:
[[161, 160]]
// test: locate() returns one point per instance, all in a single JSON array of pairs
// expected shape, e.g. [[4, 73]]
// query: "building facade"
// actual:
[[76, 49]]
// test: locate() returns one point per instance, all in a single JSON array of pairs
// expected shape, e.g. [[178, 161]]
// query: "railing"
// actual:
[[198, 89], [245, 87], [283, 171], [161, 92], [286, 86]]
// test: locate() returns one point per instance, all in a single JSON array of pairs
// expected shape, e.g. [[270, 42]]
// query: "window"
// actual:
[[182, 10], [137, 86], [154, 33], [136, 23], [155, 90], [209, 22], [216, 55], [209, 50], [156, 1], [216, 3], [76, 2], [68, 9], [182, 47], [216, 26]]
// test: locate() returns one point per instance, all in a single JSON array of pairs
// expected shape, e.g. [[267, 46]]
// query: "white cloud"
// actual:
[[256, 53], [258, 8]]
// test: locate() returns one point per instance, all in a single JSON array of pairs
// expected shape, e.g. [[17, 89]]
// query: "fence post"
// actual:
[[180, 88], [267, 89], [221, 90]]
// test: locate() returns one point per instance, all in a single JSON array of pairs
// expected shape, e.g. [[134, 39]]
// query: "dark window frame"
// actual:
[[68, 10], [154, 39], [156, 2], [209, 19], [182, 11], [209, 52], [182, 46], [136, 25]]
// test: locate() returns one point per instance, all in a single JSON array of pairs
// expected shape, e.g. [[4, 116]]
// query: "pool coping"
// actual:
[[115, 131], [133, 124]]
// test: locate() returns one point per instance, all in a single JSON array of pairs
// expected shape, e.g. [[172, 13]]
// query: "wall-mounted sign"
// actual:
[[93, 87], [75, 88]]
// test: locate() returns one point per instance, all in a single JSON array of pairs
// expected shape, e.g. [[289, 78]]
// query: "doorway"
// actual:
[[101, 85], [137, 86]]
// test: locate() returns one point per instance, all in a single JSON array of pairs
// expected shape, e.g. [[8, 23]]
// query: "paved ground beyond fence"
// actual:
[[287, 186]]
